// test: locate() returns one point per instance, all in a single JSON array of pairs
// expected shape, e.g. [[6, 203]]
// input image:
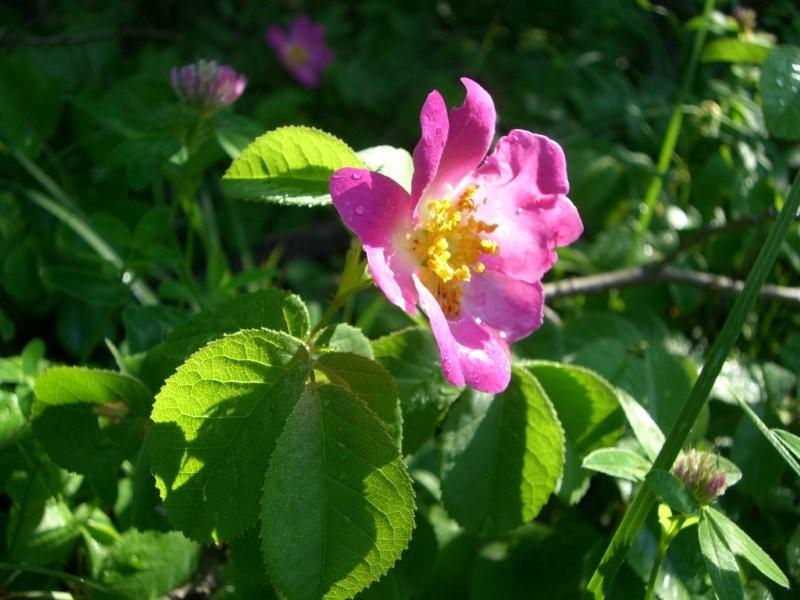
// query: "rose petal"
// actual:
[[434, 124], [468, 139], [377, 209], [524, 183], [511, 306], [484, 356], [471, 355]]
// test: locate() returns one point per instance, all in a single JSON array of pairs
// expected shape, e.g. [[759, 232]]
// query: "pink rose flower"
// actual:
[[206, 85], [472, 241], [302, 49]]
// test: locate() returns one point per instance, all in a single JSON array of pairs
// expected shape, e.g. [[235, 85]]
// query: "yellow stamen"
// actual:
[[449, 245], [297, 55]]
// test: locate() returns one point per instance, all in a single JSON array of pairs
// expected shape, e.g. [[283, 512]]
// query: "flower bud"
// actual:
[[207, 86], [701, 474], [746, 17]]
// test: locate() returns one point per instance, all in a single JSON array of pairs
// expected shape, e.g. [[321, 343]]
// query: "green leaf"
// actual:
[[289, 165], [30, 105], [338, 507], [720, 562], [345, 338], [669, 378], [12, 419], [790, 440], [412, 357], [618, 462], [671, 491], [270, 308], [742, 544], [589, 412], [735, 50], [215, 423], [395, 163], [644, 428], [501, 456], [369, 382], [89, 420], [147, 565], [43, 535], [780, 93], [733, 474], [772, 437]]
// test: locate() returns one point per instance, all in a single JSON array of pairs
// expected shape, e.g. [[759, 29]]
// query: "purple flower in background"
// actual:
[[207, 86], [302, 49]]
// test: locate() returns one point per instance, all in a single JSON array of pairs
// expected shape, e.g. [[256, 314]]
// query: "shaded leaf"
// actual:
[[671, 491], [370, 383], [270, 308], [215, 423], [89, 420], [742, 544], [412, 357], [147, 565], [501, 456], [338, 507]]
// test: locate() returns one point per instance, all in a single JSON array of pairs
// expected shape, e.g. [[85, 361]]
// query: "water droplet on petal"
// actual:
[[359, 208], [503, 335], [356, 176], [478, 321]]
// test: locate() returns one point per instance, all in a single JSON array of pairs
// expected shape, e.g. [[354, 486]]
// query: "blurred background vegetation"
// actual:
[[87, 115]]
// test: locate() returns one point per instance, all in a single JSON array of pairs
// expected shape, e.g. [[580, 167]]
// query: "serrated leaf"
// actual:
[[412, 357], [642, 424], [720, 562], [501, 456], [89, 420], [270, 308], [735, 50], [395, 163], [742, 544], [618, 462], [288, 165], [370, 383], [215, 423], [671, 491], [589, 412], [147, 565], [780, 92], [338, 506]]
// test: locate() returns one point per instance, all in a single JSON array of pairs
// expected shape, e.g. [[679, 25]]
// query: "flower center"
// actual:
[[449, 245], [297, 55]]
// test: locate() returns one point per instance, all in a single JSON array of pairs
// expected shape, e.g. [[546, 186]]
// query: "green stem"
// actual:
[[672, 134], [667, 536], [352, 281], [651, 583], [53, 573], [644, 500]]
